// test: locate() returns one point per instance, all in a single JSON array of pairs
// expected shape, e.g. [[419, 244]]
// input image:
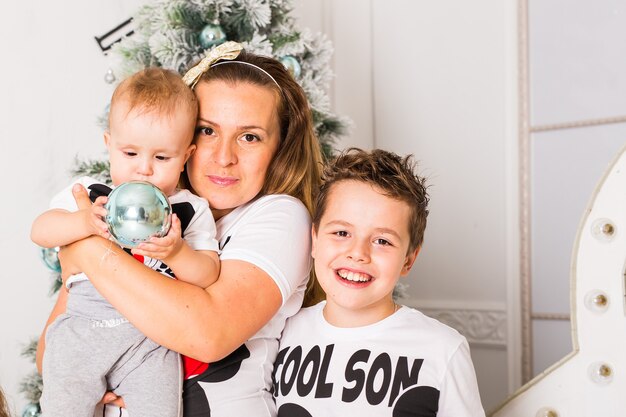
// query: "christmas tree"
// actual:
[[175, 34]]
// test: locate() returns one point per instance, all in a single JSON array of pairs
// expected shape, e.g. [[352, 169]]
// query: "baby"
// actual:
[[92, 348]]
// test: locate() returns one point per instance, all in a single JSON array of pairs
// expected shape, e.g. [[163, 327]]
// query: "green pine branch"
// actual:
[[92, 168]]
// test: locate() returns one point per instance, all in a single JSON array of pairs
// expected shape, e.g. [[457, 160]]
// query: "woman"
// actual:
[[258, 164]]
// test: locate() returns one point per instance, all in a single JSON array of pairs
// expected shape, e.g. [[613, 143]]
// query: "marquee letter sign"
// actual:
[[106, 41]]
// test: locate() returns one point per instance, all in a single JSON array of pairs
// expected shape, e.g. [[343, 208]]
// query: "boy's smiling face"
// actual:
[[360, 251]]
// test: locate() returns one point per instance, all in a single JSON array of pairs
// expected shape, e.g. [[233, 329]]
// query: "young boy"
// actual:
[[91, 348], [359, 353]]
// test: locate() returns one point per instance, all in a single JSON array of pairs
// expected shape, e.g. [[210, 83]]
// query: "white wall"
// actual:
[[348, 24], [52, 92], [445, 91]]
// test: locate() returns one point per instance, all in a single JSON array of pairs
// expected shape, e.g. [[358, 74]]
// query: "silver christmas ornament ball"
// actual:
[[31, 410], [137, 210], [211, 35], [109, 77], [50, 258], [292, 65]]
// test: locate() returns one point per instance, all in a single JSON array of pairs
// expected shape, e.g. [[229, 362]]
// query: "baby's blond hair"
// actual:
[[155, 90]]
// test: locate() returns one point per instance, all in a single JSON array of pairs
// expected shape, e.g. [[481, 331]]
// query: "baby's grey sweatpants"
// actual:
[[91, 349]]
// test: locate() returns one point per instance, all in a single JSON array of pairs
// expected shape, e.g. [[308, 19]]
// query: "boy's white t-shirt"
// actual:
[[405, 365]]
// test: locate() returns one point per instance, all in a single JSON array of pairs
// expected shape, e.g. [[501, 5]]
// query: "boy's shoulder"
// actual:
[[307, 313], [306, 318], [427, 325]]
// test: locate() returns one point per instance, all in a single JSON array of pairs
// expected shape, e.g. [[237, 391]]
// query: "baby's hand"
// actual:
[[96, 214], [162, 247]]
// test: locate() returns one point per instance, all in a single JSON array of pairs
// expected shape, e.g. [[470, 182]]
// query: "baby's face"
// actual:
[[149, 147]]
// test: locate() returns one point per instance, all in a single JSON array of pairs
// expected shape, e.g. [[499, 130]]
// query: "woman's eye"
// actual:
[[204, 131], [249, 138]]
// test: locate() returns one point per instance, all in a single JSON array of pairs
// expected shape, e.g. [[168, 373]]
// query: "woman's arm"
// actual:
[[59, 308], [205, 324]]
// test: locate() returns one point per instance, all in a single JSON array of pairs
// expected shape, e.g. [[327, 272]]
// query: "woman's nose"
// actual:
[[224, 152]]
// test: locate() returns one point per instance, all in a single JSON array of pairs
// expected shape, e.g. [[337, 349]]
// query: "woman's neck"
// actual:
[[218, 214]]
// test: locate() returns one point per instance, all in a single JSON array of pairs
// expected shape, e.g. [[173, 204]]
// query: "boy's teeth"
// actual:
[[353, 276]]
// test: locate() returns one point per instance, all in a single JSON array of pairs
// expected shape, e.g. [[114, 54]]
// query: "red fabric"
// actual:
[[193, 367]]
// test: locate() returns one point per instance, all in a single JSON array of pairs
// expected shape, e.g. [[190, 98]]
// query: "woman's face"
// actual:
[[237, 135]]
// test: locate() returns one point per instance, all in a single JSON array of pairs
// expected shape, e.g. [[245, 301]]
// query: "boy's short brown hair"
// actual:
[[155, 90], [390, 174]]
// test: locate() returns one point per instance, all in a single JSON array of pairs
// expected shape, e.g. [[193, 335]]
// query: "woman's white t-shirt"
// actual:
[[273, 233]]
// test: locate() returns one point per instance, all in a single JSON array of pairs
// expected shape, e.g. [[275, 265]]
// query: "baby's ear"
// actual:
[[190, 150], [409, 260], [107, 137]]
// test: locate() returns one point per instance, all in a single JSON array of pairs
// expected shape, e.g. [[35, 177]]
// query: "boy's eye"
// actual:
[[381, 241], [341, 233]]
